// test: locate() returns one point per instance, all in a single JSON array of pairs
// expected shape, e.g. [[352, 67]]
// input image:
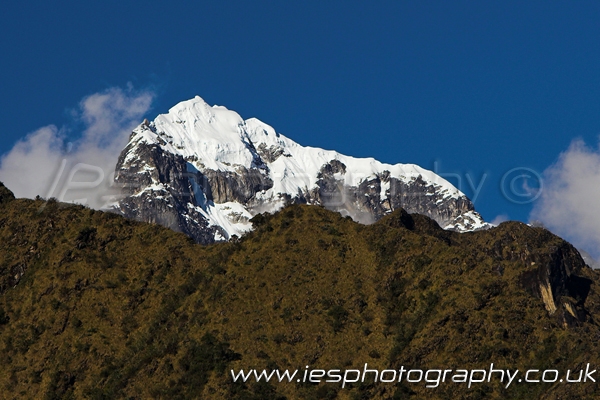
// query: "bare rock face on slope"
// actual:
[[205, 171], [5, 194]]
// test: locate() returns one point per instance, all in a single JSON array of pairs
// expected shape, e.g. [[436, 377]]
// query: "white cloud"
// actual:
[[44, 164], [570, 201], [499, 219], [28, 167]]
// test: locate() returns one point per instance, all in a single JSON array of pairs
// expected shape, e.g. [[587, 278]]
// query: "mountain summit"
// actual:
[[205, 171]]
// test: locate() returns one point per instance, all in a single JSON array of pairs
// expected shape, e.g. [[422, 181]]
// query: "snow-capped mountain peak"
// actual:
[[206, 171]]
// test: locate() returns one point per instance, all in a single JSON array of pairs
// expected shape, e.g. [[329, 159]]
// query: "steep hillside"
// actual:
[[96, 306]]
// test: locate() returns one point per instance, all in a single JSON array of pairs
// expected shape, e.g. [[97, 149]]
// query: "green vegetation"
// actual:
[[96, 306]]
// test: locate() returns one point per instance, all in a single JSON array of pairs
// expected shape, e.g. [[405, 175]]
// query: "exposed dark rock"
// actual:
[[270, 154], [552, 273], [240, 186], [417, 197], [5, 194], [175, 202]]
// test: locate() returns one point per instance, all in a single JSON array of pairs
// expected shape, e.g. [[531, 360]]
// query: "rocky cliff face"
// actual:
[[5, 194], [205, 171]]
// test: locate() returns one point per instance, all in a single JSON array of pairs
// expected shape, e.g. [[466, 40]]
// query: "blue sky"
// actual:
[[473, 89]]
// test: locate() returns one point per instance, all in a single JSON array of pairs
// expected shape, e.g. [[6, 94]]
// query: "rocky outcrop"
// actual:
[[5, 194], [374, 198], [552, 269], [555, 278], [241, 185], [171, 192]]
